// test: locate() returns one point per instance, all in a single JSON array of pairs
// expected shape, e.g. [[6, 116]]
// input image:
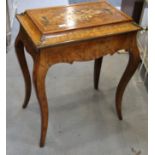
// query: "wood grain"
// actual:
[[39, 75], [19, 46], [91, 43], [79, 51], [134, 60], [59, 19], [74, 35]]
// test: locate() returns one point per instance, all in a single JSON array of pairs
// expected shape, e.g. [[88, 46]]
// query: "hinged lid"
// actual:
[[64, 24], [58, 19]]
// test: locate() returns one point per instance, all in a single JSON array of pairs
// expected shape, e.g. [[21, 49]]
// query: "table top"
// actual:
[[58, 19], [63, 24]]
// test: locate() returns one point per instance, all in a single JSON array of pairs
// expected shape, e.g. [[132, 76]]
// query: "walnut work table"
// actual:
[[80, 32]]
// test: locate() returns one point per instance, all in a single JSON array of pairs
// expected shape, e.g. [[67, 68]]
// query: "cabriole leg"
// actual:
[[19, 47], [134, 59], [97, 70], [39, 75]]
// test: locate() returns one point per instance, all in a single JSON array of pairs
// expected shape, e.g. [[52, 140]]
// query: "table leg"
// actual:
[[39, 75], [19, 47], [133, 63], [97, 70]]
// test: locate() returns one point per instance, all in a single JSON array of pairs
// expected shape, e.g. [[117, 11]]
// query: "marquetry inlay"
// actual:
[[58, 19]]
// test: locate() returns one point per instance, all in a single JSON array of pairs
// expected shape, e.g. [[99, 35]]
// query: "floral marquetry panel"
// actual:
[[56, 25], [58, 19]]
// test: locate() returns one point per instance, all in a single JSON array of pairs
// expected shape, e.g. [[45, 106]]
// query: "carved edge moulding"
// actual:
[[87, 31]]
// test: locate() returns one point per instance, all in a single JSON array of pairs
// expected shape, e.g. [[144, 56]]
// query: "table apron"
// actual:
[[87, 50]]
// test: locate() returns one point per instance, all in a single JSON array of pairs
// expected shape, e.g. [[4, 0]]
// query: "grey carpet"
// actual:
[[82, 121]]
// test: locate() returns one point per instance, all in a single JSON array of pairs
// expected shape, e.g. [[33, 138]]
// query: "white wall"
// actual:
[[29, 4]]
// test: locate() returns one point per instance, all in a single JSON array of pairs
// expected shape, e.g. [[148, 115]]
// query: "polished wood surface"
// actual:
[[105, 23], [97, 70], [81, 44], [73, 36], [85, 15], [19, 46]]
